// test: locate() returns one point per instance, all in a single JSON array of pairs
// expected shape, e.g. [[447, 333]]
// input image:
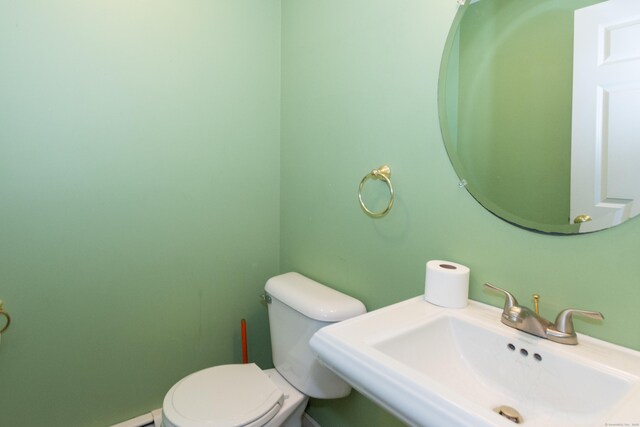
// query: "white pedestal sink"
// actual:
[[432, 366]]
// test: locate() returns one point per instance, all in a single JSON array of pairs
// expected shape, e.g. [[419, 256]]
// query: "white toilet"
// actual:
[[244, 395]]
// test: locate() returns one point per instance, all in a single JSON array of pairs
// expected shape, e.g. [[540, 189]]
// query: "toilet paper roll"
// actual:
[[447, 284]]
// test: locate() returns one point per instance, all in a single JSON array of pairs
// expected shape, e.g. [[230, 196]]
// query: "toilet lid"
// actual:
[[223, 396]]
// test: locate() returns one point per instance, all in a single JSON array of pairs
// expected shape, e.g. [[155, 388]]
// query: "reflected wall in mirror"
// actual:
[[505, 100]]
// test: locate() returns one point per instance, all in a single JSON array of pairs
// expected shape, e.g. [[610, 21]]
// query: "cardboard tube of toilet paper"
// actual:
[[447, 284]]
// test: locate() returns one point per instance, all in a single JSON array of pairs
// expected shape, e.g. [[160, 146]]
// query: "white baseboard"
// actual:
[[307, 421]]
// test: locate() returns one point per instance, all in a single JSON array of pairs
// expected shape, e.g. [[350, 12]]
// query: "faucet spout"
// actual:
[[528, 321]]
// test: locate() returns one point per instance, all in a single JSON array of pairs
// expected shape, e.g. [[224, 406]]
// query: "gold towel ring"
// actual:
[[6, 316], [384, 174]]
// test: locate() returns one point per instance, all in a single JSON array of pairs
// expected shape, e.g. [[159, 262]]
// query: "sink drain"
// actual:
[[509, 413]]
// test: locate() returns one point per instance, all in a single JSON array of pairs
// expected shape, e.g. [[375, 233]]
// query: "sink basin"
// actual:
[[432, 366]]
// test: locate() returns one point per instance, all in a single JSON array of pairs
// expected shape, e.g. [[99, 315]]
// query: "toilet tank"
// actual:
[[298, 308]]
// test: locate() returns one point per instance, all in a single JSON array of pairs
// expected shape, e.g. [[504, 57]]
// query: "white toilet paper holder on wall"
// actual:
[[382, 173]]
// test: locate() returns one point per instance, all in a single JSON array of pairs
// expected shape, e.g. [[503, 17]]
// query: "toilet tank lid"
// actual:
[[313, 299]]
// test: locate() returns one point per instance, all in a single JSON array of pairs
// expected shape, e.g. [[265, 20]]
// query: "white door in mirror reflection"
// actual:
[[605, 142]]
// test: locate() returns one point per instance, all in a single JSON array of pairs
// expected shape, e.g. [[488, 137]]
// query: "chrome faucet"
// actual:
[[527, 320]]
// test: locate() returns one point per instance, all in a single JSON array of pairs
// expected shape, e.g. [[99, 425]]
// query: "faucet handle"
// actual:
[[509, 300], [564, 320]]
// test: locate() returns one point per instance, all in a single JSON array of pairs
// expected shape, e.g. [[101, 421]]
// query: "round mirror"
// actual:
[[532, 129]]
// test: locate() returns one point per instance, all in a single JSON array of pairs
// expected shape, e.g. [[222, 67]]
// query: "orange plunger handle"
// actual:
[[243, 328]]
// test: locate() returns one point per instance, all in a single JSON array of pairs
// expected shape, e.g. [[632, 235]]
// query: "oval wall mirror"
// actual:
[[534, 131]]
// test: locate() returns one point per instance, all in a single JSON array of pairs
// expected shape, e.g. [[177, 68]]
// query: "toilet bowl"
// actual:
[[246, 396]]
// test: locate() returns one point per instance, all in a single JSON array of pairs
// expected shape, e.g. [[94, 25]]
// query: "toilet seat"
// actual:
[[223, 396]]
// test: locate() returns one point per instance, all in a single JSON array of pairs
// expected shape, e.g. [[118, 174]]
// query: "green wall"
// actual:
[[139, 199], [359, 90], [154, 172]]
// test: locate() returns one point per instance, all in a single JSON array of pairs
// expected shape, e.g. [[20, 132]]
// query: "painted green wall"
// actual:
[[139, 199], [359, 90]]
